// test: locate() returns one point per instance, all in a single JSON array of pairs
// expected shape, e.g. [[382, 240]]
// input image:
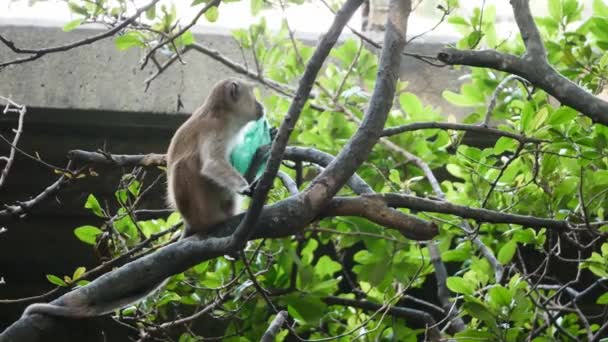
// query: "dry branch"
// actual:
[[274, 327], [37, 53]]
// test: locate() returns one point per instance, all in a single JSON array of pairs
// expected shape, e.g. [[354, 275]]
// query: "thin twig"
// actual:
[[37, 53]]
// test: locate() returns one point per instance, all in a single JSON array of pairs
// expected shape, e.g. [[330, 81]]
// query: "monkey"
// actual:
[[202, 185], [201, 182]]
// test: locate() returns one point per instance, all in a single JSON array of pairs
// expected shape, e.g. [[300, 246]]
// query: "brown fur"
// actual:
[[202, 184]]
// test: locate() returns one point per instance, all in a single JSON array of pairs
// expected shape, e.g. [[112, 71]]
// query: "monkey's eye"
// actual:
[[234, 91]]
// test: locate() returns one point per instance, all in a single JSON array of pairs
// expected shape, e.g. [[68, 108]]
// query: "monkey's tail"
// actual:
[[56, 310], [89, 310]]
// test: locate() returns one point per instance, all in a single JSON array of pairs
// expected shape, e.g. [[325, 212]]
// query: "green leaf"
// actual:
[[460, 285], [327, 267], [524, 235], [600, 177], [539, 118], [82, 283], [555, 9], [78, 9], [366, 258], [527, 113], [507, 251], [187, 38], [393, 176], [481, 312], [461, 100], [256, 6], [561, 116], [305, 308], [169, 297], [151, 12], [93, 204], [212, 14], [410, 103], [79, 272], [500, 296], [134, 188], [474, 38], [72, 25], [122, 196], [458, 20], [87, 234], [308, 250], [128, 40], [475, 336], [603, 299], [56, 280], [504, 144], [599, 8]]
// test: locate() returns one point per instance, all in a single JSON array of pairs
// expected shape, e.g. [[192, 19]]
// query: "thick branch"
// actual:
[[274, 327], [529, 31], [151, 159], [457, 127], [533, 66], [481, 215], [307, 154], [280, 219], [329, 182], [398, 311], [375, 209], [280, 142]]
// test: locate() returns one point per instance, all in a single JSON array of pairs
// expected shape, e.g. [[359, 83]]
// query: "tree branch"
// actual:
[[280, 142], [208, 6], [327, 184], [241, 69], [533, 66], [482, 215], [535, 50], [398, 311], [297, 154], [274, 327], [21, 208], [37, 53], [20, 110], [375, 209], [457, 127], [280, 219]]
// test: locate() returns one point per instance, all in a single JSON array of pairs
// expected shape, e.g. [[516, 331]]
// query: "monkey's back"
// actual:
[[201, 202]]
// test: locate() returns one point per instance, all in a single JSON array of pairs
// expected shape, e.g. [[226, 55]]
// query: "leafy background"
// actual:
[[564, 176]]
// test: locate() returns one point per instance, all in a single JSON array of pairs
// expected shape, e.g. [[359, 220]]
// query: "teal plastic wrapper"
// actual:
[[257, 134]]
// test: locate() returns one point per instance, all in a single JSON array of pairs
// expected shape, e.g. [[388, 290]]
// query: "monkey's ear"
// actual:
[[234, 90]]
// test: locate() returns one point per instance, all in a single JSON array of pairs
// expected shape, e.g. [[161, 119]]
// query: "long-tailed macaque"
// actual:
[[202, 184]]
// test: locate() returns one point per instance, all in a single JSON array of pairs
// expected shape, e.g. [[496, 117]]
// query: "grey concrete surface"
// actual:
[[100, 77]]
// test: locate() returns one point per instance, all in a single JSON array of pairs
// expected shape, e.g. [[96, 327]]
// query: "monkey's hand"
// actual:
[[251, 188], [273, 133]]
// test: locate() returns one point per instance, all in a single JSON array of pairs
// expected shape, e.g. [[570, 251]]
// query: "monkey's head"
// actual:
[[239, 99]]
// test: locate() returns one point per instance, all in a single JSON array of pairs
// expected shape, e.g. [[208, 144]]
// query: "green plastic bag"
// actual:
[[257, 134]]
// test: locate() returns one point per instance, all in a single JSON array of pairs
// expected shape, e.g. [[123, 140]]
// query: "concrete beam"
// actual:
[[100, 77]]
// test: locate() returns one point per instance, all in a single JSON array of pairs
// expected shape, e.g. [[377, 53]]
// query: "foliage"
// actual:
[[564, 177]]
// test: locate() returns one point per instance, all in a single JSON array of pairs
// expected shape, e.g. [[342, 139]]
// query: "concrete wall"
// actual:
[[102, 78]]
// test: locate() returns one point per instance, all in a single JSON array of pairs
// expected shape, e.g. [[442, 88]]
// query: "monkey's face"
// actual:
[[242, 101]]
